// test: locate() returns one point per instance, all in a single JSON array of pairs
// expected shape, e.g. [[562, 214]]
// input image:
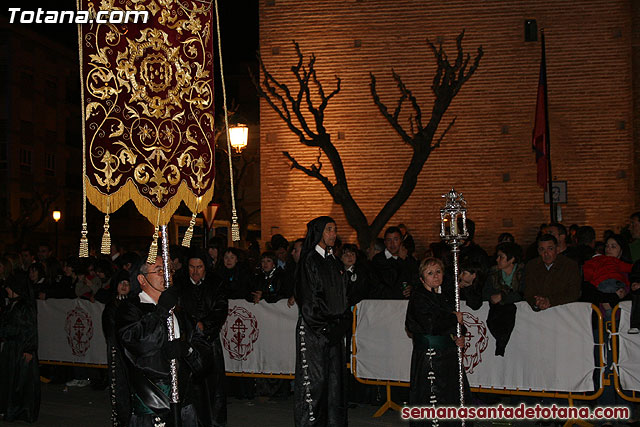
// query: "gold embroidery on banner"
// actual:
[[149, 101]]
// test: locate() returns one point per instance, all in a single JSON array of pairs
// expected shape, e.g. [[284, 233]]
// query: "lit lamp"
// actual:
[[453, 229], [239, 135], [56, 217]]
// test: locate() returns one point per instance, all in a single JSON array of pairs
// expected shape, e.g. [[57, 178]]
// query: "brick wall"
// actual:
[[487, 155]]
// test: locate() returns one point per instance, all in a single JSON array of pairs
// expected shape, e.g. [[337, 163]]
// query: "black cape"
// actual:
[[320, 383], [142, 335], [434, 360], [207, 303], [19, 379]]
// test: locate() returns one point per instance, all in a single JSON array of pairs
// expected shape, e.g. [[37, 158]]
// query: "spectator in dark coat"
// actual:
[[391, 269], [270, 282], [235, 275]]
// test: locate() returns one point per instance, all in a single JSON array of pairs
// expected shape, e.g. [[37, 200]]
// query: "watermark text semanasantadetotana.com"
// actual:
[[76, 17], [521, 412]]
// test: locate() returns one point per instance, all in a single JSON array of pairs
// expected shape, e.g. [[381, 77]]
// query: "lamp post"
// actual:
[[56, 217], [238, 140], [239, 135], [455, 233]]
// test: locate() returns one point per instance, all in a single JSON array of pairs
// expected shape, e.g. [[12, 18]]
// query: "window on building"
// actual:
[[73, 137], [26, 132], [72, 89], [4, 207], [51, 93], [4, 156], [50, 164], [26, 83], [50, 138], [26, 155]]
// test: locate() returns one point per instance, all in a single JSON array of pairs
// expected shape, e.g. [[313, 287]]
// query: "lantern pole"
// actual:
[[455, 236]]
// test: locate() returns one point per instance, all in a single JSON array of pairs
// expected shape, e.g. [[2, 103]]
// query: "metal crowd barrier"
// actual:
[[615, 348], [390, 404], [570, 396]]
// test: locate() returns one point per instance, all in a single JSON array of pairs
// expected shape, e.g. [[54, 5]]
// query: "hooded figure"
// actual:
[[324, 316], [20, 378], [204, 301]]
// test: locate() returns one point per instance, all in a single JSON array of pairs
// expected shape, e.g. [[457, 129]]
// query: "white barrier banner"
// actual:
[[260, 338], [628, 351], [70, 330], [550, 350]]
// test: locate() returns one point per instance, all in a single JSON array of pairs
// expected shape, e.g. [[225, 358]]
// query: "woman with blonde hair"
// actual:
[[431, 322]]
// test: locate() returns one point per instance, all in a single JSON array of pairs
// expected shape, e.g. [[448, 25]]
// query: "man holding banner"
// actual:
[[141, 325], [324, 316]]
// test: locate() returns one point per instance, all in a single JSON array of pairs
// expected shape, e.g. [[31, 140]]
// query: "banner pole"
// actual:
[[175, 397]]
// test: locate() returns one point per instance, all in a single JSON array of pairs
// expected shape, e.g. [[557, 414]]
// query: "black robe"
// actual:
[[117, 372], [142, 334], [432, 325], [320, 382], [207, 303], [19, 379]]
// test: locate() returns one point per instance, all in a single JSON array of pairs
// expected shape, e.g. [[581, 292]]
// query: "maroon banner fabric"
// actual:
[[148, 107]]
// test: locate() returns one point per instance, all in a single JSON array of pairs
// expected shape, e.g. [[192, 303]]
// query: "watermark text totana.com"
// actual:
[[40, 16]]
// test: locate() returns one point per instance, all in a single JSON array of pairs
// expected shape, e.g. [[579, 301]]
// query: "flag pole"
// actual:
[[547, 140]]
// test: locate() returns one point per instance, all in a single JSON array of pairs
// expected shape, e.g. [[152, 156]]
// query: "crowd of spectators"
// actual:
[[561, 266]]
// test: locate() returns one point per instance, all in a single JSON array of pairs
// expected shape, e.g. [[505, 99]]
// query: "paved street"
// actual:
[[84, 407]]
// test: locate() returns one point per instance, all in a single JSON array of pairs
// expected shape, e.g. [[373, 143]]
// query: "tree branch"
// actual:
[[392, 119], [313, 171], [437, 144]]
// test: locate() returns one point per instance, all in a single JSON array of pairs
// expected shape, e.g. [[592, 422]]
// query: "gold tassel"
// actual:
[[153, 250], [106, 237], [188, 235], [235, 228], [84, 242]]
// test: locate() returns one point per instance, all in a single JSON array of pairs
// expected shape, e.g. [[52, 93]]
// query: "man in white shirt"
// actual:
[[141, 323], [391, 268]]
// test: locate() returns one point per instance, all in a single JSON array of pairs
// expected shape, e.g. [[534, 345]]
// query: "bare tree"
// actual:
[[305, 118]]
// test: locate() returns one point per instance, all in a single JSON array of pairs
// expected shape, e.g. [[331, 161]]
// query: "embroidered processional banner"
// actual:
[[148, 107]]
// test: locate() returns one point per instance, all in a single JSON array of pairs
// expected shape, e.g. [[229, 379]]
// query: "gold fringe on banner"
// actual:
[[188, 235], [235, 228], [129, 191], [153, 250], [84, 242], [106, 237]]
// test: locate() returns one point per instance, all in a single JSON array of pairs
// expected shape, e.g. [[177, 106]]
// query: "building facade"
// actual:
[[487, 155]]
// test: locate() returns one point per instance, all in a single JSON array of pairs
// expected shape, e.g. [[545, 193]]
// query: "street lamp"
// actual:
[[239, 135], [56, 217]]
